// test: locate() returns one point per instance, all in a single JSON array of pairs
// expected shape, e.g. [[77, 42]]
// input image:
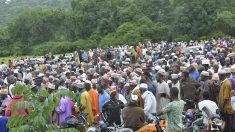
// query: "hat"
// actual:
[[4, 91], [127, 85], [105, 77], [133, 82], [51, 86], [130, 69], [143, 86], [205, 62], [40, 75], [162, 72], [139, 70], [222, 72], [228, 70], [81, 85], [174, 76], [232, 69], [88, 81], [157, 68], [205, 73], [112, 90], [128, 60], [134, 98], [183, 68], [121, 80]]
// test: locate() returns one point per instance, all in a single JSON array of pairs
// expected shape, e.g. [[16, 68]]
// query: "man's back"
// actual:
[[113, 110], [133, 117], [150, 103], [188, 89], [174, 114], [224, 94]]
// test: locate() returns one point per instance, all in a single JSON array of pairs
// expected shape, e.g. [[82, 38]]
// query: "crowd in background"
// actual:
[[131, 84]]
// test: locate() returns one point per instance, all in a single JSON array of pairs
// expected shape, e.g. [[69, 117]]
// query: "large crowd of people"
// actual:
[[131, 84]]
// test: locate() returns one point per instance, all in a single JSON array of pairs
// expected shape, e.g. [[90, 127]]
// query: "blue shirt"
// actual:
[[103, 98], [194, 75]]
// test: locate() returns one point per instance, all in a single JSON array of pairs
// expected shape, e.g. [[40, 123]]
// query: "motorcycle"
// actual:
[[193, 121], [104, 126], [78, 122], [216, 124], [156, 124]]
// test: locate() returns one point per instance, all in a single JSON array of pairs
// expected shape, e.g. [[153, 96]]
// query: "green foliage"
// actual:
[[39, 107], [9, 11], [99, 23]]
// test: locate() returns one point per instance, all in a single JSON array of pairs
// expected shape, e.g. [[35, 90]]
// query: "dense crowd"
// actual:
[[132, 84]]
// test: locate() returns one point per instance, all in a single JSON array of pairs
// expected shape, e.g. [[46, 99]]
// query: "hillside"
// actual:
[[10, 9], [101, 23]]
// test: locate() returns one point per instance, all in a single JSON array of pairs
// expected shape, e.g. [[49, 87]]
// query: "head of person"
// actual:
[[174, 78], [133, 84], [80, 86], [185, 75], [127, 87], [204, 75], [143, 87], [121, 82], [3, 93], [11, 79], [87, 85], [222, 75], [174, 93], [113, 93], [99, 89], [206, 95], [233, 70], [191, 68], [227, 61], [160, 75], [215, 68], [133, 101], [51, 88], [73, 87]]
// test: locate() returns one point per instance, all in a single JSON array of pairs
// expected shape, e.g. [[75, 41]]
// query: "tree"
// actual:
[[39, 106]]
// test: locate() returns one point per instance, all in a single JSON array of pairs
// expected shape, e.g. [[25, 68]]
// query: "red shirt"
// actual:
[[9, 111]]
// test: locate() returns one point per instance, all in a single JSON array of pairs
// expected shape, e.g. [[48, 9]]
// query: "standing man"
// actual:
[[103, 97], [174, 112], [225, 100], [112, 108], [175, 82], [133, 115], [5, 100], [150, 104], [209, 86], [85, 101], [189, 90], [64, 109], [94, 97], [163, 91]]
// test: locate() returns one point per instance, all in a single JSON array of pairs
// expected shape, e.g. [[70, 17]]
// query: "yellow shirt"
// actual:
[[224, 94], [85, 101]]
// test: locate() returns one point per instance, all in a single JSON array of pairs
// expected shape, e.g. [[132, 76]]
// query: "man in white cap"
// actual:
[[163, 91], [85, 101], [175, 82], [225, 100], [133, 115], [94, 97], [150, 104], [210, 86]]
